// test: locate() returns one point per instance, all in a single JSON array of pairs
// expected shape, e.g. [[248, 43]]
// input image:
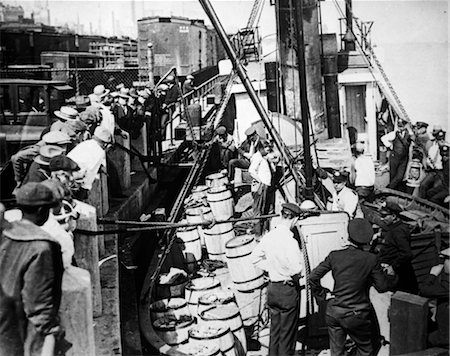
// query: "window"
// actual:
[[32, 99]]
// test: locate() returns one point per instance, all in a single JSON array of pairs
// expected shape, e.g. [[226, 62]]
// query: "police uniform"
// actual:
[[278, 253], [354, 271], [346, 199]]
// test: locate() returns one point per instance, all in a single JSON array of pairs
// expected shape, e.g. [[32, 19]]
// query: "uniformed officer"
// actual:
[[345, 199], [278, 253], [354, 270]]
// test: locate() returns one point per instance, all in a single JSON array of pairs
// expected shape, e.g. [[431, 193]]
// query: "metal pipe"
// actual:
[[298, 8], [209, 10]]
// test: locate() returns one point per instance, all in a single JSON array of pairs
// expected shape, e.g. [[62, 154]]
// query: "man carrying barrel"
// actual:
[[278, 253]]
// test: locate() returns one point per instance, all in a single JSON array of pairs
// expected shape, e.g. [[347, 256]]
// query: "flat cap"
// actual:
[[250, 131], [63, 163], [221, 130], [90, 115], [56, 138], [293, 208], [339, 177], [46, 153], [360, 230], [36, 194], [420, 124]]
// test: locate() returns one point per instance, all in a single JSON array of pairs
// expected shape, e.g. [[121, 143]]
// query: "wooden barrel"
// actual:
[[220, 297], [216, 180], [246, 277], [189, 239], [199, 350], [173, 290], [172, 330], [213, 335], [199, 192], [226, 315], [172, 307], [252, 305], [198, 213], [216, 238], [197, 287], [221, 202]]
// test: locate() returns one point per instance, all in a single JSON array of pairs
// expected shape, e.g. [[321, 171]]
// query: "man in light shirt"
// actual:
[[246, 151], [278, 253], [363, 173]]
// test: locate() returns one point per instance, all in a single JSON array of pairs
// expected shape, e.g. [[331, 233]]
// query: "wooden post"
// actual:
[[408, 317], [86, 251], [121, 161], [98, 198], [139, 144], [76, 311]]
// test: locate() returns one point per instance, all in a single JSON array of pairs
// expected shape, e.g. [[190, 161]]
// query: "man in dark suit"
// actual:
[[354, 270], [123, 113]]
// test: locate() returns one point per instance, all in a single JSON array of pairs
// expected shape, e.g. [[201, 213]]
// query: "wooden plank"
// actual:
[[408, 317], [435, 351]]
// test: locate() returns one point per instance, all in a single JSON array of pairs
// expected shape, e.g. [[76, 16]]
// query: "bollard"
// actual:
[[86, 251], [76, 311]]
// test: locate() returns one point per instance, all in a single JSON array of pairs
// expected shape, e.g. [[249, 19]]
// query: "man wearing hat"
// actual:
[[99, 99], [90, 155], [344, 199], [395, 254], [278, 254], [349, 312], [123, 113], [188, 84], [22, 160], [436, 286], [246, 151], [62, 169], [440, 190], [39, 169], [422, 140], [225, 142], [362, 173], [433, 164], [173, 90], [31, 270]]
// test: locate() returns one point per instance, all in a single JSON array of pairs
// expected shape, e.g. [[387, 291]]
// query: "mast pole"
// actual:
[[298, 14], [209, 10]]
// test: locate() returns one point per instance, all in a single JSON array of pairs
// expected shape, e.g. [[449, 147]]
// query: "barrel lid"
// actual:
[[199, 350], [167, 304], [215, 176], [199, 189], [239, 241], [203, 283], [170, 323], [205, 331], [217, 297], [220, 312]]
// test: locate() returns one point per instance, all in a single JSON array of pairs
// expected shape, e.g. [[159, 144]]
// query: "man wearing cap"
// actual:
[[422, 139], [440, 190], [22, 160], [39, 169], [395, 254], [225, 142], [188, 84], [436, 286], [173, 91], [279, 255], [90, 155], [354, 271], [362, 173], [433, 164], [99, 99], [398, 141], [62, 169], [344, 199], [31, 270], [246, 151]]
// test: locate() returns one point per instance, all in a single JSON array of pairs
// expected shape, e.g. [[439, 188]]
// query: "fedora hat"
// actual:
[[46, 153], [100, 91], [66, 113], [124, 93]]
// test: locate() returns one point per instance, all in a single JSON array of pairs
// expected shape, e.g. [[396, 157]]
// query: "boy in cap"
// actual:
[[278, 254], [436, 286], [31, 272], [22, 160], [354, 271], [39, 169]]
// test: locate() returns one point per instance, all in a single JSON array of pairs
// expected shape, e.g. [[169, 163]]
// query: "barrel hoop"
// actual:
[[218, 318], [231, 257], [174, 328], [210, 337], [254, 289], [226, 301], [221, 200], [245, 243], [216, 254], [250, 280], [221, 233]]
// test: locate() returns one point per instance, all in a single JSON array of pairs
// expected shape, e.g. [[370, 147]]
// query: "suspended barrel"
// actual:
[[172, 307], [220, 297], [173, 331], [216, 180], [212, 335], [198, 213], [246, 277], [197, 287], [189, 238], [221, 202], [199, 350], [216, 238], [226, 315]]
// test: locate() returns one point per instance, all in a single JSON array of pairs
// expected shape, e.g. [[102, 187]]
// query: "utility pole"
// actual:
[[298, 9]]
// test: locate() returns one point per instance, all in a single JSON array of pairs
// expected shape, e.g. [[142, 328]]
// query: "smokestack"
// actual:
[[349, 38]]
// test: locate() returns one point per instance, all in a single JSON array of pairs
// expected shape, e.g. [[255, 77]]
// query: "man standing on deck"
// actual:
[[278, 253], [345, 199], [354, 270]]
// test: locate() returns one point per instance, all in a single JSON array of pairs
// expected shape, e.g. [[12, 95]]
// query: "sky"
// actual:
[[410, 36]]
